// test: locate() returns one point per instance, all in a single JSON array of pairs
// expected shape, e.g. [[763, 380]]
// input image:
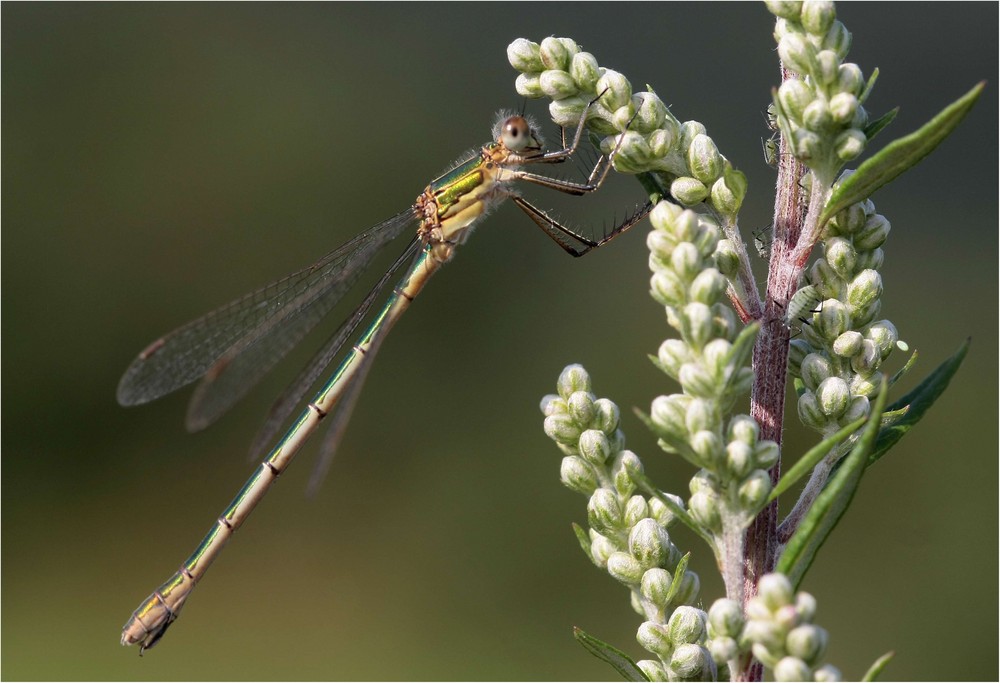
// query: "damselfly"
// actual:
[[232, 347]]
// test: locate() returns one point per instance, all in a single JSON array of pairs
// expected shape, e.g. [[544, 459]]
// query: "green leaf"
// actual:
[[869, 86], [812, 456], [898, 156], [584, 540], [912, 407], [875, 670], [906, 368], [876, 126], [678, 580], [619, 661], [832, 502]]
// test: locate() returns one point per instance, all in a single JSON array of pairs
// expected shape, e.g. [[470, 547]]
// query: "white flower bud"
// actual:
[[653, 670], [785, 9], [601, 549], [850, 144], [692, 662], [775, 590], [668, 288], [834, 395], [553, 404], [827, 65], [619, 90], [636, 509], [841, 256], [739, 459], [562, 429], [557, 84], [672, 354], [699, 323], [581, 407], [708, 446], [690, 583], [651, 112], [669, 414], [723, 649], [867, 360], [524, 56], [572, 378], [805, 605], [809, 411], [704, 509], [577, 475], [556, 53], [850, 79], [656, 585], [794, 96], [873, 234], [848, 344], [567, 111], [688, 191], [838, 39], [653, 637], [663, 140], [864, 289], [754, 490], [807, 642], [528, 85], [817, 16], [792, 669], [594, 446], [585, 71], [860, 407], [726, 617], [843, 107], [827, 672], [814, 369], [766, 454], [884, 335], [704, 160], [797, 54], [708, 286], [604, 514], [817, 117], [687, 625], [625, 568], [649, 543]]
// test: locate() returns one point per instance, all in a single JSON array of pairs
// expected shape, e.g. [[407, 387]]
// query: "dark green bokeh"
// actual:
[[159, 160]]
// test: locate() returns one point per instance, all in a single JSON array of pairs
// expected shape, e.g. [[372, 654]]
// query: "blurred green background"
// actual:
[[159, 160]]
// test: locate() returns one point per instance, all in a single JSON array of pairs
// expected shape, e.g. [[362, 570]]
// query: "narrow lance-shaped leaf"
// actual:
[[584, 541], [831, 504], [898, 156], [876, 126], [875, 670], [678, 580], [916, 404], [813, 456], [618, 660]]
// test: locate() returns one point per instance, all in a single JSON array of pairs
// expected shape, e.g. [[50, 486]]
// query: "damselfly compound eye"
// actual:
[[515, 134]]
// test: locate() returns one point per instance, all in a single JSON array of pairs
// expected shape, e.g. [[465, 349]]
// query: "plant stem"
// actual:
[[770, 360]]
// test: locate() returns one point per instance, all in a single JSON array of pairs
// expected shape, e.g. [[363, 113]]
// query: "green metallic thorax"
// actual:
[[458, 183]]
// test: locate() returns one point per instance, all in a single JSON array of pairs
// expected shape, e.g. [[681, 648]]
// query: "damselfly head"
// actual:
[[517, 134]]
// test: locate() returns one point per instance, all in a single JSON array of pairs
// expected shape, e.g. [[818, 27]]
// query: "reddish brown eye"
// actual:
[[515, 134]]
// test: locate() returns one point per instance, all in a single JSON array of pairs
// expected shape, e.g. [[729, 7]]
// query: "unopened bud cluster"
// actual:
[[781, 635], [652, 140], [628, 532], [733, 481], [844, 344], [819, 109]]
